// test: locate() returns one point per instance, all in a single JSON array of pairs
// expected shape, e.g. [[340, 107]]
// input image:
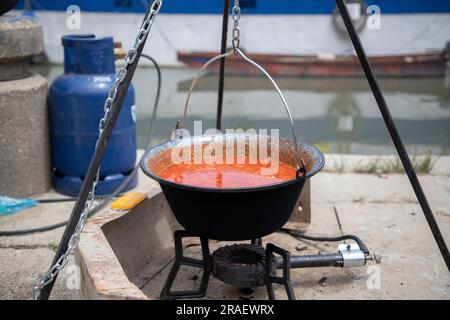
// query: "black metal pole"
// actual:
[[313, 261], [94, 165], [223, 48], [393, 132]]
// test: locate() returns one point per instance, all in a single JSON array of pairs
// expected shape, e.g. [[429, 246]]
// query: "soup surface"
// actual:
[[226, 175]]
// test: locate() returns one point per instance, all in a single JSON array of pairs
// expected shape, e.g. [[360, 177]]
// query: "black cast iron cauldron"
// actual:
[[232, 213], [238, 213]]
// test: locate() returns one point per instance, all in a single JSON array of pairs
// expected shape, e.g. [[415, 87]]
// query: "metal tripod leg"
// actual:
[[180, 260], [390, 124], [270, 268]]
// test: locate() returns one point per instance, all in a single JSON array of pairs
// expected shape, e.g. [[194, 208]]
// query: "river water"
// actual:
[[337, 115]]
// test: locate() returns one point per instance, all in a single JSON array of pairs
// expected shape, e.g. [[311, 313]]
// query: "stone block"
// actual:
[[24, 137], [20, 39]]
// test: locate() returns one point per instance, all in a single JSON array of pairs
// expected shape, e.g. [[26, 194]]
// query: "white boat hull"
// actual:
[[288, 34]]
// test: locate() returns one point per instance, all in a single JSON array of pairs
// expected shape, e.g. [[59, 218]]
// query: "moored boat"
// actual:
[[389, 27], [433, 64]]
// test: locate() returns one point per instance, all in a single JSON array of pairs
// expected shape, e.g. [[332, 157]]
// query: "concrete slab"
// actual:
[[371, 188], [23, 258], [20, 267], [412, 266]]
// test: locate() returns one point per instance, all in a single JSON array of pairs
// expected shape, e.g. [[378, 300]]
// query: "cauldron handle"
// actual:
[[299, 163]]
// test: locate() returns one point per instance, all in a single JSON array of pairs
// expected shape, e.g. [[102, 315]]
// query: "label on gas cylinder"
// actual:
[[102, 79]]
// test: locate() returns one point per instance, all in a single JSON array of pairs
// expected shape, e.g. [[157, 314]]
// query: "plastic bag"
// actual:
[[10, 206]]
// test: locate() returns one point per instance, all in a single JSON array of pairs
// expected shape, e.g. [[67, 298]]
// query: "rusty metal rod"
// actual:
[[403, 154]]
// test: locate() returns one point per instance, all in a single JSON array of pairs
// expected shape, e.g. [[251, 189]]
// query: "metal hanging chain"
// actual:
[[49, 276], [236, 14]]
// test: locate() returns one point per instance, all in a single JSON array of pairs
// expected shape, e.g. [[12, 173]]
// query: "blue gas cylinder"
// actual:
[[76, 101]]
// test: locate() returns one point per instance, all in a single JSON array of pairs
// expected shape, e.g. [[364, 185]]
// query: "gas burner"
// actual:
[[252, 265], [242, 265]]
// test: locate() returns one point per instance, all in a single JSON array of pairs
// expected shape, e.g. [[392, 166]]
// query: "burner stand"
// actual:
[[242, 265], [252, 265]]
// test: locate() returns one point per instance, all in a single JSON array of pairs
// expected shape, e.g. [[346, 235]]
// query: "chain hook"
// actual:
[[236, 14]]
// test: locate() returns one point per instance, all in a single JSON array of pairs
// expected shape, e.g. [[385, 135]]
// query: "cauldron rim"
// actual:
[[317, 157]]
